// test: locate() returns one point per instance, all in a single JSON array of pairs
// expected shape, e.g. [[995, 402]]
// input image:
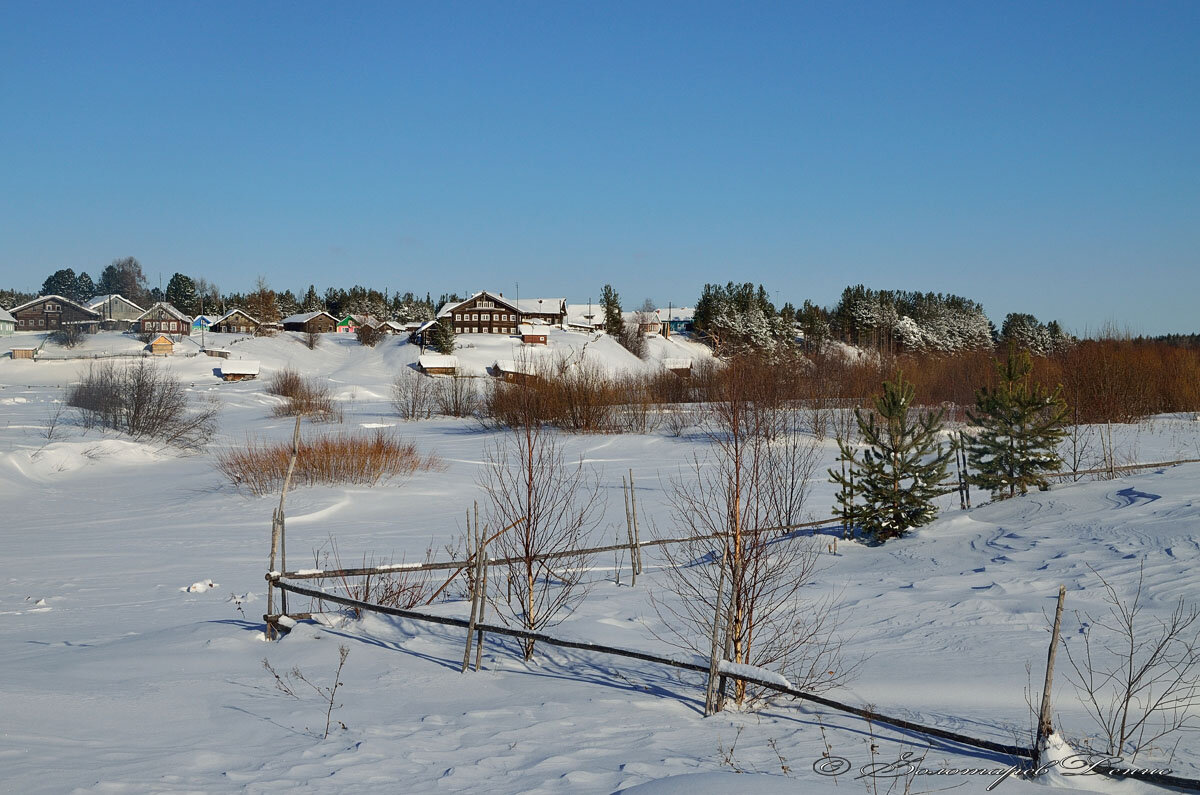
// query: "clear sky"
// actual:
[[1040, 157]]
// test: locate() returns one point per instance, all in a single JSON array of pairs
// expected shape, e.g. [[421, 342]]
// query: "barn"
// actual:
[[161, 346], [437, 364], [239, 370]]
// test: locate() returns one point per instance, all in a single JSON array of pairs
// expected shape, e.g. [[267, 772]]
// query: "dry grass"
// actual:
[[327, 459], [307, 396]]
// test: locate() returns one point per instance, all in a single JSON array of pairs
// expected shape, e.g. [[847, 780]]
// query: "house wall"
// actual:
[[484, 315], [236, 323], [159, 321], [7, 328]]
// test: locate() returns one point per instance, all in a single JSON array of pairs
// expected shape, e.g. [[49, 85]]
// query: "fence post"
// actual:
[[278, 541], [710, 692], [629, 532], [473, 537], [1045, 728], [637, 540]]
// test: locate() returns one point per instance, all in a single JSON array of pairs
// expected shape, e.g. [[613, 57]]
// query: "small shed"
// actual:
[[531, 334], [217, 353], [239, 370], [161, 346], [515, 372], [23, 353], [437, 364], [681, 367]]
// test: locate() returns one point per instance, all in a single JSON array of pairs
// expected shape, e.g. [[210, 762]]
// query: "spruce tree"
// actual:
[[901, 469], [181, 294], [611, 302], [1019, 427], [441, 336]]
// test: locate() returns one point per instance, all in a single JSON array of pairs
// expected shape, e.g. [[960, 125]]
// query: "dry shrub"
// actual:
[[143, 400], [412, 395], [456, 396], [307, 396], [402, 588], [327, 459]]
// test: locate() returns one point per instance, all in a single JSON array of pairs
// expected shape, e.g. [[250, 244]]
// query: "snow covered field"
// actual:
[[122, 670]]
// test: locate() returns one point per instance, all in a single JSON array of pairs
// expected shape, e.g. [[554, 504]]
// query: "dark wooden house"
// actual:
[[162, 318], [314, 322], [52, 313], [235, 321]]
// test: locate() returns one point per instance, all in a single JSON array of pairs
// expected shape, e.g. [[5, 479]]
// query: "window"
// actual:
[[485, 304], [457, 330], [21, 322], [474, 316], [457, 317], [41, 321], [474, 329], [173, 326], [485, 316]]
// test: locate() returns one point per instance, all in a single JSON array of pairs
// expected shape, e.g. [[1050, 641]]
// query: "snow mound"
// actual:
[[200, 587]]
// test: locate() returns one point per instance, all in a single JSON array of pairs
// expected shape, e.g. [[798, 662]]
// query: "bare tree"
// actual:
[[412, 395], [1138, 676], [311, 340], [550, 507], [757, 475]]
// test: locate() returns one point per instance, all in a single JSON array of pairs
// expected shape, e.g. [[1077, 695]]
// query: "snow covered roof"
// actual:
[[306, 316], [552, 306], [448, 307], [235, 311], [431, 360], [204, 318], [239, 367], [392, 324], [4, 315], [162, 338], [676, 313], [677, 364], [424, 326], [41, 298], [170, 310], [101, 300], [529, 328]]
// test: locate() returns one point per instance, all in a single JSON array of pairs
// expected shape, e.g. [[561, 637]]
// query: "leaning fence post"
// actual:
[[1044, 726], [482, 579], [637, 540], [629, 532], [277, 539]]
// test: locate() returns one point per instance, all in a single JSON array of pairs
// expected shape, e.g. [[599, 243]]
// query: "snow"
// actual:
[[240, 367], [762, 674], [124, 678]]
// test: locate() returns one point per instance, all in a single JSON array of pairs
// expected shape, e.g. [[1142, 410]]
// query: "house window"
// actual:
[[173, 326], [485, 316], [457, 316], [41, 321], [485, 304], [475, 316], [474, 329], [457, 330]]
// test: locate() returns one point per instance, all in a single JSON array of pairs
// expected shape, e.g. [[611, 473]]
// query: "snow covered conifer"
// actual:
[[1019, 427], [441, 337], [901, 469]]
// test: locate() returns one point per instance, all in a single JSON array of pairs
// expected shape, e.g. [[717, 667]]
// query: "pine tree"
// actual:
[[62, 283], [1020, 425], [181, 294], [312, 302], [611, 303], [441, 336], [901, 469], [84, 287]]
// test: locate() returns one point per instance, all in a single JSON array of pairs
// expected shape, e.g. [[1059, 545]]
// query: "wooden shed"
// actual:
[[531, 334], [239, 370], [217, 353], [23, 353], [515, 372], [161, 346], [681, 367], [437, 364]]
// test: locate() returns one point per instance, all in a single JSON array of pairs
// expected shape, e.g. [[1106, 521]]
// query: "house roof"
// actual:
[[4, 315], [677, 364], [424, 326], [198, 318], [429, 360], [549, 306], [515, 366], [41, 298], [307, 316], [239, 367], [237, 311], [529, 328], [101, 300], [170, 310], [162, 338]]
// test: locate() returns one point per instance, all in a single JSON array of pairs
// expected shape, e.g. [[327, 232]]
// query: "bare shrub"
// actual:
[[289, 683], [1138, 677], [311, 340], [412, 395], [307, 396], [327, 459], [402, 588], [456, 396], [144, 401], [633, 339], [550, 507], [369, 335], [68, 336]]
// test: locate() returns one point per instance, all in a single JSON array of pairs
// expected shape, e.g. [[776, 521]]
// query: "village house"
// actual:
[[8, 324], [492, 313], [311, 322], [515, 372], [116, 311], [350, 324], [162, 318], [236, 321], [52, 313], [531, 334], [201, 323]]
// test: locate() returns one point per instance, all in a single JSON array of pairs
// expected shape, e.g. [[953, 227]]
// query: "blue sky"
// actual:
[[1038, 157]]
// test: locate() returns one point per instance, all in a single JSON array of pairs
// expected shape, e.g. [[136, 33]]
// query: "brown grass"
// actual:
[[327, 459]]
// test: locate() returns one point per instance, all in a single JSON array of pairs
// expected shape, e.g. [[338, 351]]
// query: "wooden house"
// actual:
[[492, 313], [8, 324], [239, 370], [52, 313], [532, 335], [217, 353], [394, 327], [236, 321], [680, 367], [24, 353], [162, 318], [311, 322], [514, 371], [201, 323], [161, 346], [350, 324], [437, 364], [116, 311]]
